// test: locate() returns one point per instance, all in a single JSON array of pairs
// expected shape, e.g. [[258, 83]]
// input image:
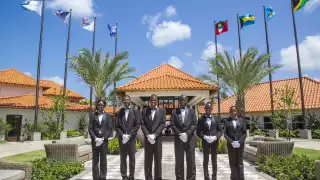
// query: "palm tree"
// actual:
[[100, 72], [239, 75]]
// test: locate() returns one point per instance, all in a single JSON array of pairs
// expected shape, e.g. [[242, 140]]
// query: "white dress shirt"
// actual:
[[127, 113], [208, 120], [234, 122], [183, 113], [100, 116], [153, 112]]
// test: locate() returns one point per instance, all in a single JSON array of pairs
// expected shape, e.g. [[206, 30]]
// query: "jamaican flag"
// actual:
[[298, 4]]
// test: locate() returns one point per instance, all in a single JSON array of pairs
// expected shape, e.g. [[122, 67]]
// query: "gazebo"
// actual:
[[168, 83]]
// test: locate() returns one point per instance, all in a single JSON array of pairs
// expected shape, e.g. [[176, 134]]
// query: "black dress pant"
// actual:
[[153, 152], [180, 148], [128, 149], [236, 162], [207, 149], [99, 154]]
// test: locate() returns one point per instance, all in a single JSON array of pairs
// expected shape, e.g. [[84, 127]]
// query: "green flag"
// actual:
[[298, 4]]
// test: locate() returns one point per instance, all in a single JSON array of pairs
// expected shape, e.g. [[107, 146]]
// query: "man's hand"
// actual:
[[125, 138], [235, 144], [98, 141], [214, 138], [208, 139], [150, 139], [183, 137], [152, 136]]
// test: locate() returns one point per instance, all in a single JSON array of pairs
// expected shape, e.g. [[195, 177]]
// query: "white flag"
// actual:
[[87, 24], [33, 5]]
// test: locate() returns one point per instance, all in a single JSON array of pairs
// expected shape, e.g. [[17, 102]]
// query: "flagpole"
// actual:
[[114, 81], [216, 44], [269, 60], [239, 36], [66, 65], [36, 110], [299, 69], [93, 56]]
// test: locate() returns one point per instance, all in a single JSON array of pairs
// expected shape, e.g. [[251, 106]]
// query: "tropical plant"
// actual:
[[59, 106], [100, 72], [4, 128], [239, 75]]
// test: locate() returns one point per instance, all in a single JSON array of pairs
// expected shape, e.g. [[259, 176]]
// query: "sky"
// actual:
[[177, 32]]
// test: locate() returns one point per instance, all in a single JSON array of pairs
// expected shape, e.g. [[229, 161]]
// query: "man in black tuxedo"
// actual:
[[184, 125], [127, 125], [152, 124], [235, 134], [100, 129], [209, 130]]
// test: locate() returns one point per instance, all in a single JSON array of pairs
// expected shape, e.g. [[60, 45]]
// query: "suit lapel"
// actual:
[[204, 119], [187, 119], [149, 112]]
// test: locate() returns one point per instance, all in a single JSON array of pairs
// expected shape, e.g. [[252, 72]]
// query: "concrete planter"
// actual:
[[35, 136], [63, 135], [305, 134], [248, 133], [274, 133]]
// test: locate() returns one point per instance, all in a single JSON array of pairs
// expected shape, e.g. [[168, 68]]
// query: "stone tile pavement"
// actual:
[[168, 162]]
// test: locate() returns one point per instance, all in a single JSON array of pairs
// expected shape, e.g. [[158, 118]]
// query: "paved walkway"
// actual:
[[168, 163], [13, 148]]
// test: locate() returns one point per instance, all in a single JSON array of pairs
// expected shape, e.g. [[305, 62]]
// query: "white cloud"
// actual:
[[166, 32], [80, 8], [189, 54], [312, 5], [309, 54], [55, 79], [175, 61], [28, 74], [201, 66], [171, 11]]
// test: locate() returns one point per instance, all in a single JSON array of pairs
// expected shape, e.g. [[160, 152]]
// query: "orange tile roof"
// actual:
[[27, 101], [257, 97], [166, 77], [15, 77], [54, 89]]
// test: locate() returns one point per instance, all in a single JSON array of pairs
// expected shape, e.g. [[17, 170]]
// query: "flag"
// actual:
[[113, 30], [221, 27], [33, 5], [298, 4], [246, 19], [63, 15], [87, 24], [269, 13]]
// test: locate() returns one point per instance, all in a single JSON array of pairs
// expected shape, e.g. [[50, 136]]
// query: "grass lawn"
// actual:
[[312, 154], [26, 157]]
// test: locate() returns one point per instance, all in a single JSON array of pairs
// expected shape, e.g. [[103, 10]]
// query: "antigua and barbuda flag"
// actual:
[[113, 30], [87, 24], [63, 15], [221, 27], [33, 5]]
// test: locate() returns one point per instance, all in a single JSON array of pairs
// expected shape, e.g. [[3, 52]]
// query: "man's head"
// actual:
[[126, 101], [233, 111], [153, 100], [183, 100], [100, 104], [208, 108]]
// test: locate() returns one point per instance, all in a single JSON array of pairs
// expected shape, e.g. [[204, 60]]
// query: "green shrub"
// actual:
[[57, 170], [4, 128], [261, 132], [293, 133], [73, 133], [316, 134], [222, 147], [294, 167]]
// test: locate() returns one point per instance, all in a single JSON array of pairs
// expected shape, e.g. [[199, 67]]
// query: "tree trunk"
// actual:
[[240, 105]]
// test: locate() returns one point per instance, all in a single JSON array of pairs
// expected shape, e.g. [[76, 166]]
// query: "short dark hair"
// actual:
[[126, 96], [208, 104], [232, 107], [100, 100], [153, 95]]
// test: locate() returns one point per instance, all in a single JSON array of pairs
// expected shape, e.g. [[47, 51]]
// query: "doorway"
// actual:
[[15, 122]]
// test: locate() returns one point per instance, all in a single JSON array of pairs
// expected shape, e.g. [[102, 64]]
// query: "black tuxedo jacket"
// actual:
[[97, 130], [238, 134], [189, 125], [129, 126], [203, 127], [154, 126]]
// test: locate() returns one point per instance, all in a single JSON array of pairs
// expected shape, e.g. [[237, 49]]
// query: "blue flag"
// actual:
[[269, 13], [63, 15], [33, 5], [113, 30]]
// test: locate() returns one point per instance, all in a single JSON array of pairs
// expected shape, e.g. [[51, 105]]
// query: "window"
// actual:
[[298, 122]]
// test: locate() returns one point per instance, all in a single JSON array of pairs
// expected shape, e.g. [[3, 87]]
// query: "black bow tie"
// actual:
[[153, 109], [183, 108]]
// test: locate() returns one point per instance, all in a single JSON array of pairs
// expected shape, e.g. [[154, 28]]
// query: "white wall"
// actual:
[[16, 90], [71, 117]]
